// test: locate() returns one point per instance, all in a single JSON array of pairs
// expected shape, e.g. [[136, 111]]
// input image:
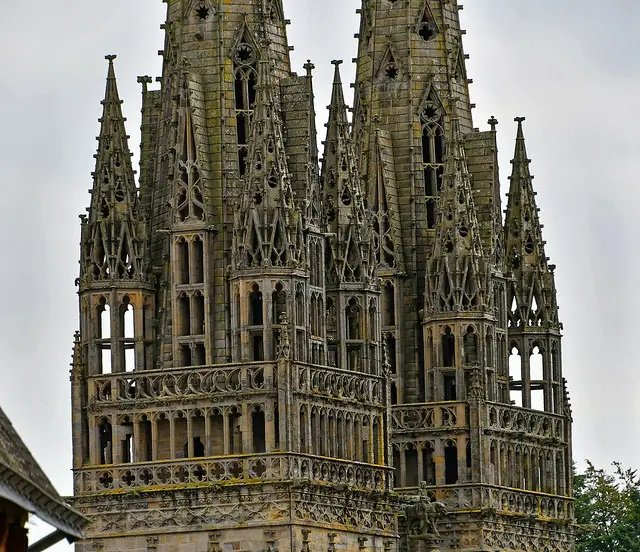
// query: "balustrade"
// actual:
[[183, 383], [525, 503], [339, 384], [529, 423], [230, 470], [436, 416]]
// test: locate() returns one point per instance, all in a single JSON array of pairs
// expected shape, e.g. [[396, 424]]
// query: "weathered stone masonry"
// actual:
[[276, 350]]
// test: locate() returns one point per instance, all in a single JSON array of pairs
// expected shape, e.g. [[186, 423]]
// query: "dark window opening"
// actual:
[[198, 448], [255, 307], [182, 251], [450, 464], [106, 438], [411, 464], [428, 467], [235, 434], [184, 355], [258, 430], [448, 348], [257, 351], [450, 388]]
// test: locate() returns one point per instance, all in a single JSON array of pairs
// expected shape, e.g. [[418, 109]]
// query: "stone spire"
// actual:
[[345, 214], [268, 226], [456, 271], [114, 235], [533, 295]]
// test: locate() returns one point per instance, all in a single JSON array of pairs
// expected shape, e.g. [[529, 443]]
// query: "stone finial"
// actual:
[[493, 123], [309, 67]]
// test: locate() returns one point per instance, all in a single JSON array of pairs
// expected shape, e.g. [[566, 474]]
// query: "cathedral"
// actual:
[[282, 347]]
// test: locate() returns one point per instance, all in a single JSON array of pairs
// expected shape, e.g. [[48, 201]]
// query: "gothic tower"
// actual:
[[278, 351]]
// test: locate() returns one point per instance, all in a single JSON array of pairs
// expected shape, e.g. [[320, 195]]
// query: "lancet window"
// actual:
[[433, 151], [245, 60], [189, 201]]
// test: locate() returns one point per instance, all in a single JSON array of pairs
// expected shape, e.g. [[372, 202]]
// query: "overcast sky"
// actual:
[[571, 67]]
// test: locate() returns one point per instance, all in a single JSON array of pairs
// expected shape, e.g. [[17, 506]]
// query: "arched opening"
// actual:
[[450, 463], [411, 466], [493, 458], [432, 154], [217, 433], [394, 393], [315, 433], [448, 348], [515, 377], [304, 445], [182, 261], [388, 305], [300, 318], [146, 441], [127, 331], [235, 431], [377, 453], [373, 322], [127, 314], [488, 348], [106, 440], [183, 325], [471, 346], [353, 320], [181, 436], [536, 372], [428, 465], [258, 431], [198, 260], [279, 303], [128, 452], [104, 317], [255, 306], [314, 315], [198, 314], [164, 437], [391, 352]]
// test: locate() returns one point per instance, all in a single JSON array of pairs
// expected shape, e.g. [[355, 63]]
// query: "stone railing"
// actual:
[[339, 384], [431, 416], [231, 470], [529, 423], [501, 499], [182, 383]]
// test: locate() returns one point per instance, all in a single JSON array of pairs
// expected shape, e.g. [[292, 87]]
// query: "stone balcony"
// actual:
[[526, 424], [335, 383], [412, 418], [225, 470], [181, 384], [477, 497]]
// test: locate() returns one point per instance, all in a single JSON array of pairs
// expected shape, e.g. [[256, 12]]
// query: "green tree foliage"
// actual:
[[608, 507]]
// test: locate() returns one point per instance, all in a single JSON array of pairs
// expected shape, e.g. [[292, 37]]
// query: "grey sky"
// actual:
[[570, 67]]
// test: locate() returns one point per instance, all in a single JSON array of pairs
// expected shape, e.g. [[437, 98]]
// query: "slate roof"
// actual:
[[23, 482]]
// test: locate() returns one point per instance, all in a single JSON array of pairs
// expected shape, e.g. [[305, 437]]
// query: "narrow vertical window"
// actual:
[[433, 149], [448, 348], [246, 77]]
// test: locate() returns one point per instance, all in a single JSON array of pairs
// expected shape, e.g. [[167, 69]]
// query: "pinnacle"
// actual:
[[455, 271], [525, 255], [114, 228]]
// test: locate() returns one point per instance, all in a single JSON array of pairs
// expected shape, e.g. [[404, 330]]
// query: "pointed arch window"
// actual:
[[433, 151], [245, 60], [189, 200]]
